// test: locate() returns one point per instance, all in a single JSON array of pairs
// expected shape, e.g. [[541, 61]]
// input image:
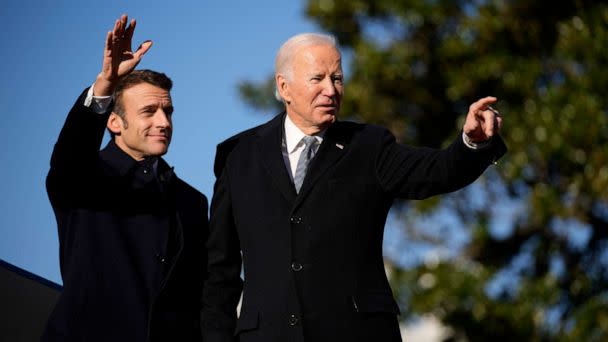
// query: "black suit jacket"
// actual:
[[132, 250], [313, 261]]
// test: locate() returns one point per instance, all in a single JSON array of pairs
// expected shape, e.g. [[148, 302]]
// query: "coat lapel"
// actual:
[[270, 142], [331, 150]]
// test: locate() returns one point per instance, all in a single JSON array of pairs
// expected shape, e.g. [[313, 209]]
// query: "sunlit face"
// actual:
[[146, 128], [315, 88]]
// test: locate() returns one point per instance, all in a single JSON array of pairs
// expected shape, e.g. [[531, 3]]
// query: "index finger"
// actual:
[[482, 104]]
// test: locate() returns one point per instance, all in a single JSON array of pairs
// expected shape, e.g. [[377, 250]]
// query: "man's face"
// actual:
[[314, 92], [146, 128]]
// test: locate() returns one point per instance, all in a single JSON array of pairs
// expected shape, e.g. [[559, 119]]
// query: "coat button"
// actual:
[[296, 266], [295, 219], [293, 320], [161, 258]]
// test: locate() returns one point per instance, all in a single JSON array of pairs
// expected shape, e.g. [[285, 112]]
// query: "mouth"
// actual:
[[328, 107], [160, 137]]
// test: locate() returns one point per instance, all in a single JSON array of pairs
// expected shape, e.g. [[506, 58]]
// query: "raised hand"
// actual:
[[118, 57], [482, 121]]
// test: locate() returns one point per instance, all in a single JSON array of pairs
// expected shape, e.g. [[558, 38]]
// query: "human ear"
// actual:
[[114, 123], [283, 87]]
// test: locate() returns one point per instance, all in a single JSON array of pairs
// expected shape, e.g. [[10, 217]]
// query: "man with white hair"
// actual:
[[302, 201]]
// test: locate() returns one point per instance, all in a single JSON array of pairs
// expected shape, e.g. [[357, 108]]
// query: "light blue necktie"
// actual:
[[307, 154]]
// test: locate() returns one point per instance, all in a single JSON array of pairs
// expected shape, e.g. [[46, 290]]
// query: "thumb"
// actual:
[[142, 49]]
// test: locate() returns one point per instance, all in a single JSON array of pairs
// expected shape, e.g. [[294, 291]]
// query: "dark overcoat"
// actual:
[[131, 240], [313, 265]]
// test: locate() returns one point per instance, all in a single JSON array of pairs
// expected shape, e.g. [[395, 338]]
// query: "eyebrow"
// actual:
[[150, 106], [321, 72]]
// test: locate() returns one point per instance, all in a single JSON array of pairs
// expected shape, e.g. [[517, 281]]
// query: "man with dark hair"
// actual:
[[157, 79], [131, 232], [302, 200]]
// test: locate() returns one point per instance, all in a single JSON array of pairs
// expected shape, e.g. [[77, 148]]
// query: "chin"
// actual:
[[329, 114], [329, 118], [157, 152]]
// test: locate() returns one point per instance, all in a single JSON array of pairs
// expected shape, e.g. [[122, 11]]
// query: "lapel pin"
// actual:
[[340, 146]]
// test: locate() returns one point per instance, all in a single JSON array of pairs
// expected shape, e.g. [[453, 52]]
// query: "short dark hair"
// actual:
[[134, 78]]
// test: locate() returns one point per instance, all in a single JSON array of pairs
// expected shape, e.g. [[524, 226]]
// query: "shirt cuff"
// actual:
[[473, 145], [99, 104]]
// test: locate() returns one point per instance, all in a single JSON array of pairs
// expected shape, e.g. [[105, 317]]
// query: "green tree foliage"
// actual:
[[534, 264]]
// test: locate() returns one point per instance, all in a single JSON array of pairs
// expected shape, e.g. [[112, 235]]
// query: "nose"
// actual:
[[162, 119], [329, 88]]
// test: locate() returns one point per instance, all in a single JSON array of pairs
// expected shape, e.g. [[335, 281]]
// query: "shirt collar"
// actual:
[[294, 135]]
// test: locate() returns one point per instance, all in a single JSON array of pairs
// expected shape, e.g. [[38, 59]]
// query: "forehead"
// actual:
[[323, 57], [145, 93]]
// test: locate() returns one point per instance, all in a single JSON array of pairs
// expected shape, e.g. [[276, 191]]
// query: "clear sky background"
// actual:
[[51, 50]]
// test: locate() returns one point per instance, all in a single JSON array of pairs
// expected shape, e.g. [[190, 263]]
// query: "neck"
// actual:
[[306, 128]]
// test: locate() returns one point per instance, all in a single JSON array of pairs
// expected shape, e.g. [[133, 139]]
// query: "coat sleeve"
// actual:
[[75, 151], [418, 172], [223, 287]]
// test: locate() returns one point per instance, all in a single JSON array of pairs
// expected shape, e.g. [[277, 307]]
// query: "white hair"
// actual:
[[284, 62]]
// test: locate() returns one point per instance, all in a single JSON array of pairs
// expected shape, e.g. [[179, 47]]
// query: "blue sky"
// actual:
[[51, 51]]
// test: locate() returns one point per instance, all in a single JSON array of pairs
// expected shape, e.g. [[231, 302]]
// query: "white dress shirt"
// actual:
[[99, 104], [293, 145]]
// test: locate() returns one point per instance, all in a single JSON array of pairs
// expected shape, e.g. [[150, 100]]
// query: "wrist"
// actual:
[[475, 145], [103, 86]]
